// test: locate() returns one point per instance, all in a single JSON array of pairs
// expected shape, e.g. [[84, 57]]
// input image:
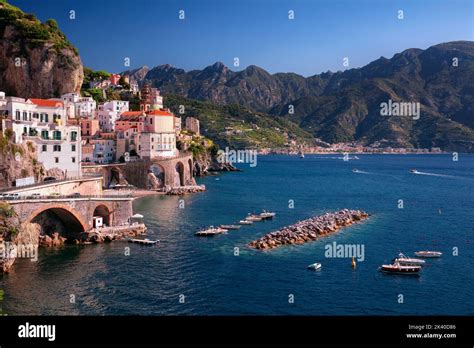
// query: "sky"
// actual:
[[257, 32]]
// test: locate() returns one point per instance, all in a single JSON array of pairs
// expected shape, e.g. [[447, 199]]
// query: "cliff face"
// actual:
[[18, 161], [35, 58]]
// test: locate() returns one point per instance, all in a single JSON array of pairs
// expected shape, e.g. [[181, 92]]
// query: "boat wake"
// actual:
[[434, 174]]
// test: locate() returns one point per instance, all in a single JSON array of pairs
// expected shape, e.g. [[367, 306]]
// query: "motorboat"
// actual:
[[408, 261], [315, 266], [355, 170], [211, 231], [145, 241], [397, 268], [245, 222], [267, 215], [428, 254], [414, 171], [230, 227], [254, 218]]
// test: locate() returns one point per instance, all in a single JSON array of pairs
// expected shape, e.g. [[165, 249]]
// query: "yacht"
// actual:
[[267, 215], [429, 254], [397, 268], [254, 218], [408, 261]]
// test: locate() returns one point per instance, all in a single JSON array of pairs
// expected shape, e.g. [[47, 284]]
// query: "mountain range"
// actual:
[[345, 106]]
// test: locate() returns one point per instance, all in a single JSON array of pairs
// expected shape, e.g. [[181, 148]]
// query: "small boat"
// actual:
[[267, 215], [353, 263], [211, 231], [355, 157], [253, 218], [315, 266], [230, 227], [145, 241], [245, 222], [355, 170], [428, 254], [397, 268], [414, 171], [408, 261], [301, 155]]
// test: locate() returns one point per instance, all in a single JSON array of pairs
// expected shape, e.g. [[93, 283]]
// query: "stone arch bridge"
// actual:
[[174, 171], [76, 214]]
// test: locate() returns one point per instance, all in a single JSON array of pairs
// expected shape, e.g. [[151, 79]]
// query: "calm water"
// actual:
[[438, 214]]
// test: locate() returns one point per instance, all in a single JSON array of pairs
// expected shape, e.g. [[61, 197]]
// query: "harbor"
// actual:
[[224, 268]]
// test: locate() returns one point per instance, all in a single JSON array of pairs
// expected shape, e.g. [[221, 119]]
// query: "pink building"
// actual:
[[114, 79]]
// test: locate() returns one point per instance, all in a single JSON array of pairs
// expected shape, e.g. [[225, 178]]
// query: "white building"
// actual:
[[159, 137], [44, 123], [109, 112], [104, 150], [83, 106]]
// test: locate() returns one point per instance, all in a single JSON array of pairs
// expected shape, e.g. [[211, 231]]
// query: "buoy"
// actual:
[[354, 264]]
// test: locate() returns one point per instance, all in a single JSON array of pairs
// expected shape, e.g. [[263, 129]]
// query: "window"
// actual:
[[44, 118], [25, 130], [73, 147], [35, 115], [73, 159], [73, 136], [57, 135], [44, 134], [56, 159], [56, 117], [57, 148], [17, 115], [44, 148], [25, 116]]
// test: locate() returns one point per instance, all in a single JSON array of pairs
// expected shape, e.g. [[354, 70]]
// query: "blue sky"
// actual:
[[258, 32]]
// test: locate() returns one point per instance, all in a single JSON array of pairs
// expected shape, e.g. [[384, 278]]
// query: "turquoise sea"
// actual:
[[187, 275]]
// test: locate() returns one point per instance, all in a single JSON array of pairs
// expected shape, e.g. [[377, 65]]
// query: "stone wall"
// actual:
[[85, 186]]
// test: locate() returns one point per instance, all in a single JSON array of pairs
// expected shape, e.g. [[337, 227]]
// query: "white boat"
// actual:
[[267, 215], [414, 171], [315, 266], [253, 218], [408, 261], [428, 253], [355, 170], [245, 222], [145, 241], [230, 227], [211, 231]]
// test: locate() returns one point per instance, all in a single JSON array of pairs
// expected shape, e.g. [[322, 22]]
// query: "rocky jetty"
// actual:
[[309, 229], [182, 190]]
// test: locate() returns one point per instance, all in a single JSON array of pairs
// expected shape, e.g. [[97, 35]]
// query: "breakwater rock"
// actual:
[[309, 229], [182, 190]]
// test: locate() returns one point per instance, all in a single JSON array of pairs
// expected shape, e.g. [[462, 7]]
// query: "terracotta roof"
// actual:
[[160, 113], [47, 102], [131, 113]]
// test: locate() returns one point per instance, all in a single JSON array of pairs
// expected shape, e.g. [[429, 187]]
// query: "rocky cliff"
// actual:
[[35, 58], [18, 161]]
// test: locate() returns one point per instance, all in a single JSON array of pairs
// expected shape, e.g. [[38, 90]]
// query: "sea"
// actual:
[[432, 209]]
